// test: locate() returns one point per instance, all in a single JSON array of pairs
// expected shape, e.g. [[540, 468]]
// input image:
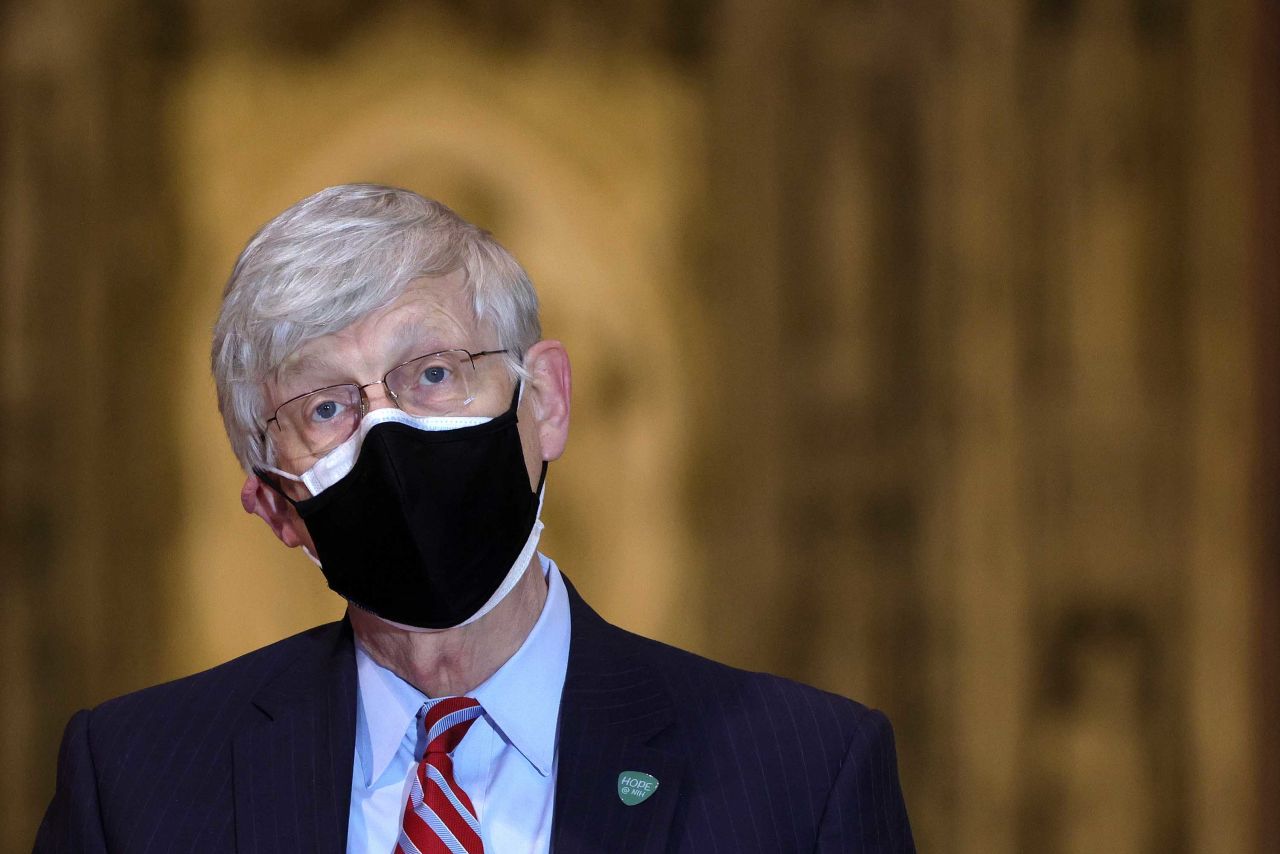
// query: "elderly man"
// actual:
[[383, 380]]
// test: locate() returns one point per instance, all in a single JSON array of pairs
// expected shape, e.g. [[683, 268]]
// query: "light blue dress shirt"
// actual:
[[507, 761]]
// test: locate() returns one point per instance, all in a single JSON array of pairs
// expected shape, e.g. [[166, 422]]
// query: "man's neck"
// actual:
[[451, 662]]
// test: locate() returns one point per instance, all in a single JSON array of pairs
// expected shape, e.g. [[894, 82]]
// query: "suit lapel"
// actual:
[[293, 767], [615, 716]]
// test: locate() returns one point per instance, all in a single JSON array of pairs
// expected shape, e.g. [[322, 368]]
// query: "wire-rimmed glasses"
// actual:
[[316, 422]]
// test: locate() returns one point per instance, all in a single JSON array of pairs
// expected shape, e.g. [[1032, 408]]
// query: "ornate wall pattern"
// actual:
[[916, 349], [1010, 424], [87, 462]]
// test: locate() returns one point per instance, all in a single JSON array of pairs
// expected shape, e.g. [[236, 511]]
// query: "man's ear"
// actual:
[[269, 506], [548, 395]]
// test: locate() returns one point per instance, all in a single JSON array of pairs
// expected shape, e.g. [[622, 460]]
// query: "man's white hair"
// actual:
[[333, 258]]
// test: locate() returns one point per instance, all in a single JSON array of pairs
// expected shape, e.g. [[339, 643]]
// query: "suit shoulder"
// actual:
[[712, 685], [723, 711], [813, 765], [692, 678], [241, 676]]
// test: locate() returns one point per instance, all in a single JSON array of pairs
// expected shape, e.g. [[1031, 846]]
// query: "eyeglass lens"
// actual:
[[433, 385]]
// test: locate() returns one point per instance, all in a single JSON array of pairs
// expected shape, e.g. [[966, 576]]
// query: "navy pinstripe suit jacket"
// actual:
[[256, 755]]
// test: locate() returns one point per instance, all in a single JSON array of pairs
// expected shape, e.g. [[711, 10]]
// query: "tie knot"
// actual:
[[447, 720]]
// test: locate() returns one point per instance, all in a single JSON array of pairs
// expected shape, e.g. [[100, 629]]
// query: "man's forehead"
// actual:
[[431, 314], [414, 328]]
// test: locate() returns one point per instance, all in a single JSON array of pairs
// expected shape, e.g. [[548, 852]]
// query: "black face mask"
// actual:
[[427, 525]]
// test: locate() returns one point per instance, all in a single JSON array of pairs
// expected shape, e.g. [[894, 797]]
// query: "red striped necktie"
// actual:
[[439, 817]]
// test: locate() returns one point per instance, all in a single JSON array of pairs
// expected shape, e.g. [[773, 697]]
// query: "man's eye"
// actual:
[[326, 410], [433, 375]]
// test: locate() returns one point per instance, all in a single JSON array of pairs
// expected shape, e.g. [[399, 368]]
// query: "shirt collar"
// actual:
[[521, 699], [388, 706]]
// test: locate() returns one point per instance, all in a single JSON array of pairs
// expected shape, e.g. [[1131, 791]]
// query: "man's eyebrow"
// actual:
[[422, 337], [410, 332], [309, 363]]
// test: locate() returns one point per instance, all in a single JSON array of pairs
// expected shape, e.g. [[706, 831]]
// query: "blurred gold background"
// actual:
[[923, 351]]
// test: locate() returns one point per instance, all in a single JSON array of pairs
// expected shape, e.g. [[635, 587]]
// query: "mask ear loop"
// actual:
[[517, 396], [269, 475]]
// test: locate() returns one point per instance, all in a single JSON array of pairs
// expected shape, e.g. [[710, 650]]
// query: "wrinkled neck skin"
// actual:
[[451, 662]]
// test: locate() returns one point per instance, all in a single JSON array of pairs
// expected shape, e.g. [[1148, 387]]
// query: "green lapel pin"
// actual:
[[635, 787]]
